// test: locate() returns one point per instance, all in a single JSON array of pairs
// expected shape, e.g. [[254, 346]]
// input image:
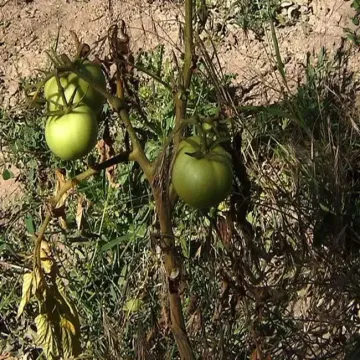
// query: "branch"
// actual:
[[164, 204], [180, 97], [189, 45]]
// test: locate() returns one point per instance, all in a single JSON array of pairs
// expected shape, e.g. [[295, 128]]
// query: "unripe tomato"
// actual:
[[53, 96], [73, 135], [84, 92], [91, 98], [201, 182]]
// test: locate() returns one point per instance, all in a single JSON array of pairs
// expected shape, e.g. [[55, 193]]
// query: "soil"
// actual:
[[28, 28]]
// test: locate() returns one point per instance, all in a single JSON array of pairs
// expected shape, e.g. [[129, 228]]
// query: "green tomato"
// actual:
[[50, 86], [53, 96], [73, 135], [201, 182], [90, 96], [84, 92]]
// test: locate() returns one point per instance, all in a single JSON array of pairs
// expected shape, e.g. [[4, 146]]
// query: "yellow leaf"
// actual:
[[66, 342], [60, 208], [36, 281], [68, 325], [133, 305], [46, 339], [60, 181], [69, 338], [26, 292], [223, 206], [46, 258]]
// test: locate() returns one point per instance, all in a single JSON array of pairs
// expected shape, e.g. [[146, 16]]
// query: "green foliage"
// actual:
[[253, 15], [353, 35]]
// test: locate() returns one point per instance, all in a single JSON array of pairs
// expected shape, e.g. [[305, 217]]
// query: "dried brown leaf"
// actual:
[[106, 151], [80, 212], [46, 257]]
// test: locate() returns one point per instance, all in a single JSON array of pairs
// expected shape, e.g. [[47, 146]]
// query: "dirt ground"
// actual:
[[28, 28]]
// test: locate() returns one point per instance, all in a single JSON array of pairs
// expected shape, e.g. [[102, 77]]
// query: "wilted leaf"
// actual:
[[79, 212], [66, 340], [66, 324], [46, 258], [60, 209], [26, 292], [36, 281], [106, 151], [66, 300], [45, 334], [132, 305], [69, 338]]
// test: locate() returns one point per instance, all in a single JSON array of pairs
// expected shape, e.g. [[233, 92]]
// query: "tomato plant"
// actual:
[[201, 180], [73, 135]]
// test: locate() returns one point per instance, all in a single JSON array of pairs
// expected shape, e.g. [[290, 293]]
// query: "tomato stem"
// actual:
[[61, 91], [204, 146]]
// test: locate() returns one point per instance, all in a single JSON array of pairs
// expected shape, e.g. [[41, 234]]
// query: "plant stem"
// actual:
[[181, 95], [204, 143], [189, 44], [61, 90], [163, 202], [173, 272]]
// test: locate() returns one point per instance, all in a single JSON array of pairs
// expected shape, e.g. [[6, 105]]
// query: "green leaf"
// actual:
[[29, 223], [271, 110], [355, 5], [26, 292], [133, 305], [114, 243], [7, 174]]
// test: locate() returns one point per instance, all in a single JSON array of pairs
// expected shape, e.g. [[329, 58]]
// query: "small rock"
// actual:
[[286, 4]]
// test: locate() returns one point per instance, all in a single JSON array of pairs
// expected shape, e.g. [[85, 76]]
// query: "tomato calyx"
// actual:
[[197, 154]]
